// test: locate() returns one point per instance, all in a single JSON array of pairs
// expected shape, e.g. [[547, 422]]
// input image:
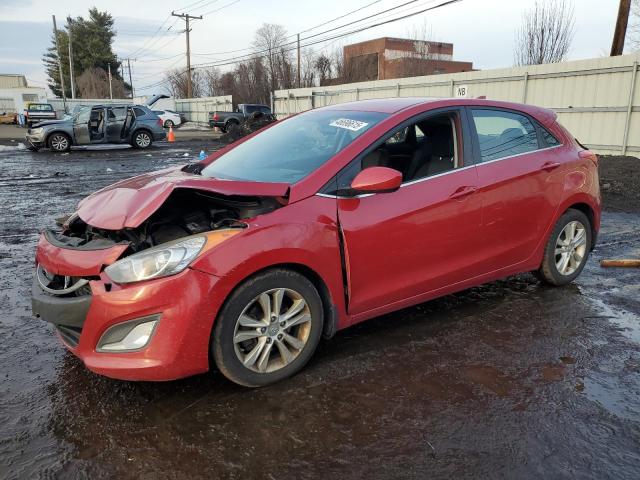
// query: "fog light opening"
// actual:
[[128, 336]]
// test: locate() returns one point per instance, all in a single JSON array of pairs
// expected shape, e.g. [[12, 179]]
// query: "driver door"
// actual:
[[419, 238]]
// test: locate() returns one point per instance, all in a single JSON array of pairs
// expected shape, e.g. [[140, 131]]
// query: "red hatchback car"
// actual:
[[313, 224]]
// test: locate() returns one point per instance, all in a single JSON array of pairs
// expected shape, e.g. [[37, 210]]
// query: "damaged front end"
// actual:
[[78, 259]]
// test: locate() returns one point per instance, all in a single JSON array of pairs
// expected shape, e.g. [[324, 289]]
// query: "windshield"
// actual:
[[292, 149]]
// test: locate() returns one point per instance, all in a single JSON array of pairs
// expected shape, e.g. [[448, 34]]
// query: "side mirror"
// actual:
[[377, 180]]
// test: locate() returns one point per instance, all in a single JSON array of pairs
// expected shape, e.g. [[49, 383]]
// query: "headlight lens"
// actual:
[[161, 261], [36, 131]]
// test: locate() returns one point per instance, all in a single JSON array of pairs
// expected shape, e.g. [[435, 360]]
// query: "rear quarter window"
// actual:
[[139, 112], [503, 133]]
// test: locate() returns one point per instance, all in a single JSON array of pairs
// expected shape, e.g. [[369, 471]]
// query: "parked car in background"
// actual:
[[227, 121], [38, 112], [309, 226], [98, 124], [169, 118]]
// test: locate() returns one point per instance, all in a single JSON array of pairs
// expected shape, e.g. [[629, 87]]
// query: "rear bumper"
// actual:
[[157, 136], [213, 124]]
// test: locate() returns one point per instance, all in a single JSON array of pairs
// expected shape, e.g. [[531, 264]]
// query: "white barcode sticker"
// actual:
[[353, 125]]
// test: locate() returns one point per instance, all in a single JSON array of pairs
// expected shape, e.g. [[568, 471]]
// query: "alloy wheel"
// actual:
[[571, 247], [59, 143], [143, 140], [272, 330]]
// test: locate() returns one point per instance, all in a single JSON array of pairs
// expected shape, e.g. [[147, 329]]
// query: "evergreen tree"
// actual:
[[92, 40]]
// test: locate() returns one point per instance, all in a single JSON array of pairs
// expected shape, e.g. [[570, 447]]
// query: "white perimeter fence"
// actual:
[[598, 100], [197, 109]]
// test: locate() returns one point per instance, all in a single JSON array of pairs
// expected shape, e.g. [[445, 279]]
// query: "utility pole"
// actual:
[[130, 80], [55, 36], [298, 60], [71, 76], [110, 88], [621, 28], [186, 17]]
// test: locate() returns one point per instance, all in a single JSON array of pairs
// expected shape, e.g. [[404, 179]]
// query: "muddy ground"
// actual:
[[509, 380]]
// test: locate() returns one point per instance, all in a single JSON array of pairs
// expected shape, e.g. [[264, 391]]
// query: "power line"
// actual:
[[293, 35], [254, 54], [322, 40]]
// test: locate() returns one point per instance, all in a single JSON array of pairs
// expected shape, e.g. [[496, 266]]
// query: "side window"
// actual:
[[549, 139], [503, 134], [265, 110], [139, 112], [249, 109], [117, 113], [426, 148], [83, 116]]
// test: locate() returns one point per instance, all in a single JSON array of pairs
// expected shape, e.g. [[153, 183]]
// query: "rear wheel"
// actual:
[[567, 249], [268, 329], [59, 142], [231, 127], [141, 139]]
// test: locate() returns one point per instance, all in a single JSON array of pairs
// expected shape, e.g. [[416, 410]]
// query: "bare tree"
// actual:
[[268, 43], [323, 67], [94, 83], [177, 82], [546, 33]]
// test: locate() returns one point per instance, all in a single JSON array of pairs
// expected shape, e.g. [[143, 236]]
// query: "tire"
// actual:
[[169, 124], [244, 362], [564, 258], [141, 139], [231, 127], [59, 142]]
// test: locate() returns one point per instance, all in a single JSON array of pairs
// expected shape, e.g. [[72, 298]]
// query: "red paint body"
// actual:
[[427, 239]]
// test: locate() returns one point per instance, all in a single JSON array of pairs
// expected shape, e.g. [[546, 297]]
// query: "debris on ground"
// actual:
[[255, 122], [624, 263]]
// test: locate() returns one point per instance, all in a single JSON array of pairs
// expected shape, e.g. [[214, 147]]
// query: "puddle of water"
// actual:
[[628, 322]]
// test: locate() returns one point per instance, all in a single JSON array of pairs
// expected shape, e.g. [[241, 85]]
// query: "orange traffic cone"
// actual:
[[171, 137]]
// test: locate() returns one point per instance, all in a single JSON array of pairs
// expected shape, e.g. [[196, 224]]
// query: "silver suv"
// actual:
[[98, 124]]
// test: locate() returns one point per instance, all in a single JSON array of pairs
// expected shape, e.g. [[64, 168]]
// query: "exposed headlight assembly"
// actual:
[[167, 259]]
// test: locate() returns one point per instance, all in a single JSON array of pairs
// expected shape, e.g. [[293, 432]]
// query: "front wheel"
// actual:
[[567, 249], [141, 139], [268, 329], [59, 142]]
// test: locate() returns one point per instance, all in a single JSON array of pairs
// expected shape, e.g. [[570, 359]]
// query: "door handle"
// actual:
[[463, 192], [548, 166]]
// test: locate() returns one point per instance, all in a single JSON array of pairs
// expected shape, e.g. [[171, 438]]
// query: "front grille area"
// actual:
[[70, 335]]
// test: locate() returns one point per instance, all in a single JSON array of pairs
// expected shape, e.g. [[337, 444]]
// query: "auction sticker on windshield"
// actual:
[[353, 125]]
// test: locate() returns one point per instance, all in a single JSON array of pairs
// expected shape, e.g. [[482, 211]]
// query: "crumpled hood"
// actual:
[[128, 203]]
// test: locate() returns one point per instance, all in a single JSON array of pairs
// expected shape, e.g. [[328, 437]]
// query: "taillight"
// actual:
[[215, 117], [160, 122], [588, 154]]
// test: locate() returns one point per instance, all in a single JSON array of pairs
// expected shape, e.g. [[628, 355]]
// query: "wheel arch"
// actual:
[[50, 134], [591, 213], [331, 315]]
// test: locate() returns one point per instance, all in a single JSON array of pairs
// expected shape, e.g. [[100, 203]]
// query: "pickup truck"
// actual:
[[38, 112], [227, 121]]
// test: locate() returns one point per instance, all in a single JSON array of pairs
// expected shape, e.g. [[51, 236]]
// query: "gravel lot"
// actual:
[[509, 380]]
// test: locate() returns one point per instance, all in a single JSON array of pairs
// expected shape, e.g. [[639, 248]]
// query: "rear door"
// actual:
[[116, 117], [419, 238], [520, 183]]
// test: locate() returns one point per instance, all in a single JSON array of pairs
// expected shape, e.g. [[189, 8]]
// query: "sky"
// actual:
[[482, 31]]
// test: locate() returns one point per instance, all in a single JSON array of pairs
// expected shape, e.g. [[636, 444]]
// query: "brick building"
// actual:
[[386, 57]]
